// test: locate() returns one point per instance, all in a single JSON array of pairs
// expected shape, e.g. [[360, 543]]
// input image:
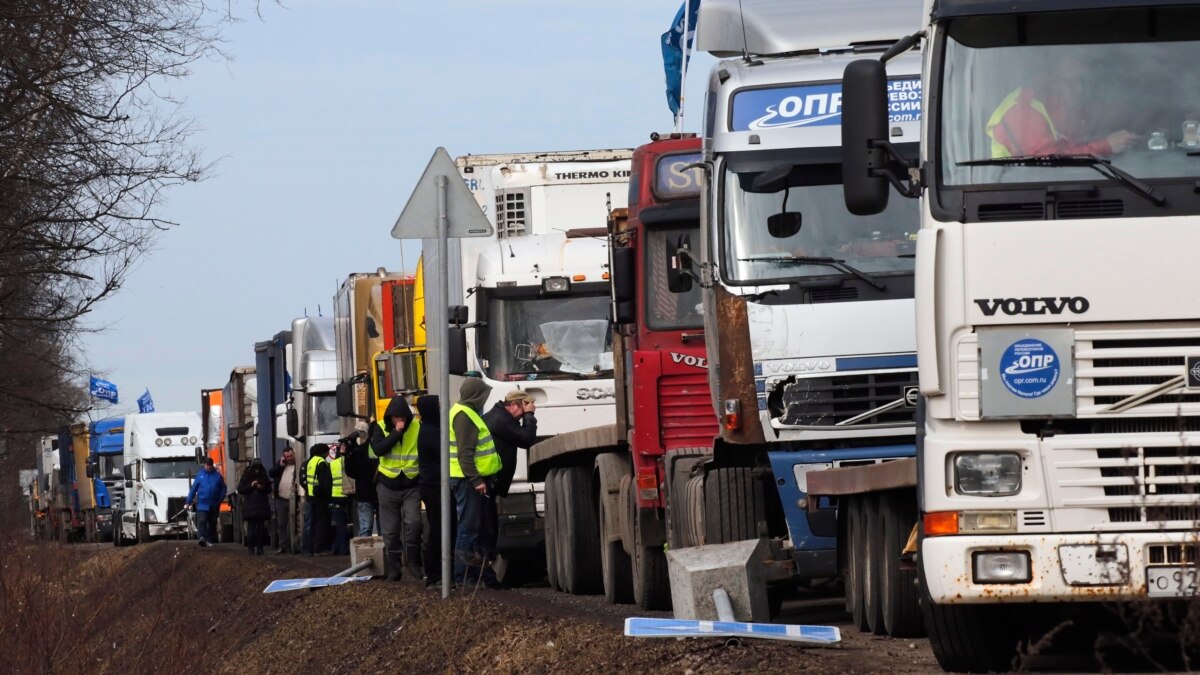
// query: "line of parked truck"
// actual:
[[738, 336]]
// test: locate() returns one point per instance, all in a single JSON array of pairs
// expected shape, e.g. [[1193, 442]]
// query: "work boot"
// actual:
[[412, 556], [258, 550], [392, 565]]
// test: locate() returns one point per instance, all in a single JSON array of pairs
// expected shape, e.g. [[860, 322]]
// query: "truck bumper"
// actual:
[[1063, 567], [167, 530]]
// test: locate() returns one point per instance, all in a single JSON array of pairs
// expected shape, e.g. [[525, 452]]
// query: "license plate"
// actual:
[[1172, 582]]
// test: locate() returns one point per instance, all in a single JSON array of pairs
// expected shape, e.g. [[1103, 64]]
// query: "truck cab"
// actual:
[[310, 413], [107, 448], [162, 453]]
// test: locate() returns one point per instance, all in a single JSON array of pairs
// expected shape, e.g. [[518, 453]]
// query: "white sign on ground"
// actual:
[[677, 628], [281, 585]]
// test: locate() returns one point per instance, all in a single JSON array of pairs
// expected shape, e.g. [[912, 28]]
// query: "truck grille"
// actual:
[[685, 413], [1155, 483], [174, 506], [827, 401]]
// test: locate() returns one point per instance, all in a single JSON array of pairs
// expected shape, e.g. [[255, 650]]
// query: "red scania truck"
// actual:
[[609, 488]]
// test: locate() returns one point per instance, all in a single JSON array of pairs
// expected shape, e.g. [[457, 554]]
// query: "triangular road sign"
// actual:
[[419, 220]]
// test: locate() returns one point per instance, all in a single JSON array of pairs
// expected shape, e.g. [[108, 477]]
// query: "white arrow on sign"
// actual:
[[419, 219]]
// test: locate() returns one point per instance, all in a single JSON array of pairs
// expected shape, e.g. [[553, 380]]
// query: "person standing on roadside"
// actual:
[[474, 464], [206, 495], [317, 482], [429, 453], [513, 425], [339, 501], [287, 489], [361, 466], [394, 442], [255, 490]]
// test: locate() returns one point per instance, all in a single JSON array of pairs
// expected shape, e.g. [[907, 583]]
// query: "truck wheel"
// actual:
[[858, 563], [733, 505], [873, 556], [580, 571], [614, 561], [651, 580], [143, 533], [551, 497], [969, 638], [116, 521], [898, 587]]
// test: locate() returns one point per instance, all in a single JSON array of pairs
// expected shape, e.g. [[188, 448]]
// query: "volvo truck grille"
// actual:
[[849, 400], [685, 413], [174, 506]]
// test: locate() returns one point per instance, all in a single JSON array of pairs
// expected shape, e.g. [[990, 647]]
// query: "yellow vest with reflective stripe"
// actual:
[[487, 462], [336, 469], [310, 471], [402, 458], [1000, 150]]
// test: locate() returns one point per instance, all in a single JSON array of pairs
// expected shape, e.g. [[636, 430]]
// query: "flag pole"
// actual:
[[687, 11]]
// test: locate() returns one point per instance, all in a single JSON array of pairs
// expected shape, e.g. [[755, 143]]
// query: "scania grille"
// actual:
[[685, 413], [853, 399], [1151, 484]]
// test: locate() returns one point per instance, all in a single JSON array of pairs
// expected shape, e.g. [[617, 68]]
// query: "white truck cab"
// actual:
[[161, 457]]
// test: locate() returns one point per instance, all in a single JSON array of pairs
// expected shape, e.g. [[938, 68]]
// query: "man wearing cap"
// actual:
[[513, 426]]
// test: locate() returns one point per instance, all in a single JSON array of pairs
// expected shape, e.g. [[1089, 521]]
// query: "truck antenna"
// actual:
[[745, 42]]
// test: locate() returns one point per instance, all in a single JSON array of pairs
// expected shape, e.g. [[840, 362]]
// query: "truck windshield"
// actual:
[[882, 243], [110, 467], [169, 468], [322, 414], [555, 337], [1114, 83], [666, 310]]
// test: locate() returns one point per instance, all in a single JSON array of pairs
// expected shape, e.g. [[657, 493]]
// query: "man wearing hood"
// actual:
[[429, 452], [474, 464], [394, 443]]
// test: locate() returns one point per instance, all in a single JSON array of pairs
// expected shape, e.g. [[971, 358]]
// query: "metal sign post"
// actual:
[[442, 207]]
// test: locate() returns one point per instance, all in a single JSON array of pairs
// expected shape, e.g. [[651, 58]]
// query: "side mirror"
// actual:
[[624, 284], [784, 225], [345, 399], [864, 122], [90, 471], [456, 351], [458, 314], [233, 442], [679, 265], [293, 423], [128, 483], [200, 455]]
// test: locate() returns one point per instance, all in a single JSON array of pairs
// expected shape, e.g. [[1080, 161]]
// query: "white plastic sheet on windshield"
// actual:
[[577, 345]]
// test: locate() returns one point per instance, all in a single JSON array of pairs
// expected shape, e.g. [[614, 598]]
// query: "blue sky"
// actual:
[[319, 127]]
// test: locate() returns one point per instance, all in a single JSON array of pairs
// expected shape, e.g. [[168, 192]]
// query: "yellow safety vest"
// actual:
[[487, 462], [336, 471], [402, 458], [310, 471], [999, 150]]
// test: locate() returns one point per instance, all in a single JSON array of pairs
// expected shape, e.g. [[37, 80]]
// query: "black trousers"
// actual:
[[431, 496], [256, 533], [322, 532]]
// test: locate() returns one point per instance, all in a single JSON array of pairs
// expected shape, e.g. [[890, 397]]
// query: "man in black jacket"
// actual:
[[361, 466], [513, 425], [318, 485]]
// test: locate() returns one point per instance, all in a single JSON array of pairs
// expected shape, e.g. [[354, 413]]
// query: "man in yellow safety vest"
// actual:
[[394, 441], [317, 483], [474, 464]]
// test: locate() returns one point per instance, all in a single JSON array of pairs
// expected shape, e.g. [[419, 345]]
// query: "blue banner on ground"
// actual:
[[281, 585], [103, 389], [676, 628], [145, 403], [673, 50]]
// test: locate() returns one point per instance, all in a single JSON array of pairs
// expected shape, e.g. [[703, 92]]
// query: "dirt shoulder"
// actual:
[[175, 606]]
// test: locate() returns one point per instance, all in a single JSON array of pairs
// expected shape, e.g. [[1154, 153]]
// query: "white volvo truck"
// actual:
[[1057, 330], [162, 455]]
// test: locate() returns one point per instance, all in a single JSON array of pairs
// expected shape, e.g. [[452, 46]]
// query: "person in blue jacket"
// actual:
[[206, 495]]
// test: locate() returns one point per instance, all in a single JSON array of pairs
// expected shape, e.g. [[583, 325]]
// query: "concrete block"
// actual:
[[368, 548], [736, 567]]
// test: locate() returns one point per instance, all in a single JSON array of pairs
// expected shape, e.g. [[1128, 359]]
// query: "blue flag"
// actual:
[[103, 389], [673, 51], [145, 403]]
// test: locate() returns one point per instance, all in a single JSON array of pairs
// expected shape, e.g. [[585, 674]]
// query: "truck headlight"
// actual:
[[556, 285], [1001, 567], [987, 474]]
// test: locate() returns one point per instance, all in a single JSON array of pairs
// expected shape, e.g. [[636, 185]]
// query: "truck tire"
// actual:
[[143, 533], [551, 497], [118, 540], [614, 561], [580, 569], [733, 505], [651, 580], [969, 638], [858, 564], [897, 586], [846, 534], [873, 554]]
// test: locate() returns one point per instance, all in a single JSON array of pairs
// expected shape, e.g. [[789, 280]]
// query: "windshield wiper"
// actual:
[[1101, 165], [835, 263]]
